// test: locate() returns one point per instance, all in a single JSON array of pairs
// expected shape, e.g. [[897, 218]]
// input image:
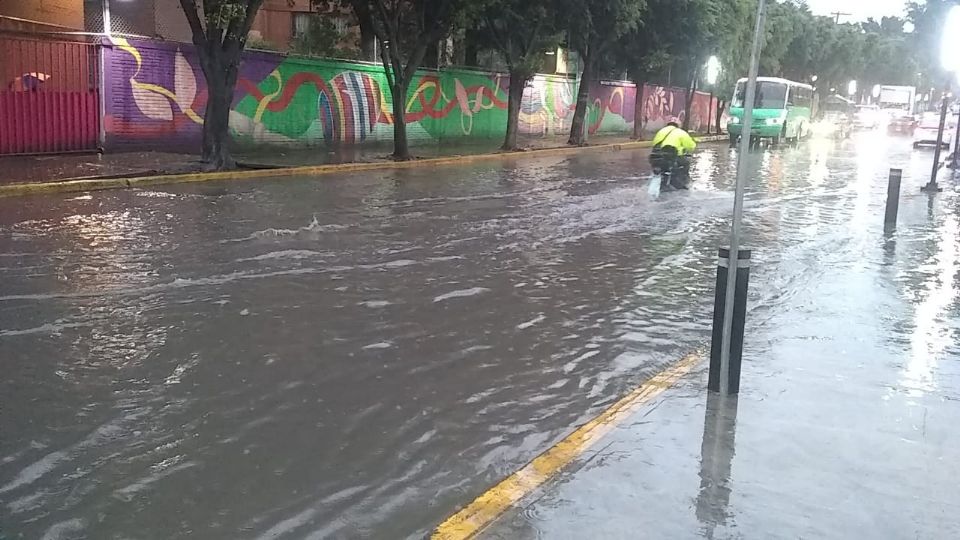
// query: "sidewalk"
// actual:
[[47, 168], [847, 425]]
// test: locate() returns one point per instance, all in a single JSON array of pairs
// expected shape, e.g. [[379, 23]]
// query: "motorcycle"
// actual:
[[673, 171]]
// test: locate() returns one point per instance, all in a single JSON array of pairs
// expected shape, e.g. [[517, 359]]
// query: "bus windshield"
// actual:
[[770, 95]]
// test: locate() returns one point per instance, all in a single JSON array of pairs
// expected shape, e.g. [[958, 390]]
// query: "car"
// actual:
[[835, 124], [926, 132], [836, 117], [902, 122], [867, 117]]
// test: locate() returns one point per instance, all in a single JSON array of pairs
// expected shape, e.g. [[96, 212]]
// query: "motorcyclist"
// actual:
[[671, 152]]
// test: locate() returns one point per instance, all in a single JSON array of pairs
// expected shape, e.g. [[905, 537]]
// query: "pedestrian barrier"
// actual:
[[893, 200], [739, 321]]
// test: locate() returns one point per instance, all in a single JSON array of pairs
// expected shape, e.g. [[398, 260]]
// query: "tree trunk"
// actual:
[[638, 111], [518, 82], [471, 50], [721, 105], [368, 35], [432, 58], [691, 93], [401, 146], [583, 98], [368, 44], [216, 120]]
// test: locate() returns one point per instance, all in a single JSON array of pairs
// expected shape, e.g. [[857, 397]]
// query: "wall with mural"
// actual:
[[155, 97]]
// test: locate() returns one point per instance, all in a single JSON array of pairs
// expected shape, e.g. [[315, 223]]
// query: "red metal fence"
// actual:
[[50, 95]]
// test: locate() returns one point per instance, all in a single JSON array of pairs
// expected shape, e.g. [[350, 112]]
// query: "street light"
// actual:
[[951, 41], [814, 78], [713, 74], [950, 61], [713, 70]]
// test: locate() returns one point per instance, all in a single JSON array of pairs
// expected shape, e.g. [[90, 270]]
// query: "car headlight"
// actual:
[[774, 121], [735, 120]]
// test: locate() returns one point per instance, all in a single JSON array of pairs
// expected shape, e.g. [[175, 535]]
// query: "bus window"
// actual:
[[770, 95], [799, 97]]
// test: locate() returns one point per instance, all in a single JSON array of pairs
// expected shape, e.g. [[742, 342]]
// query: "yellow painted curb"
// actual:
[[486, 508], [94, 184]]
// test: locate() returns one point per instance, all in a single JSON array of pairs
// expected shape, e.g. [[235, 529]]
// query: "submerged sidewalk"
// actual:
[[847, 424], [47, 168]]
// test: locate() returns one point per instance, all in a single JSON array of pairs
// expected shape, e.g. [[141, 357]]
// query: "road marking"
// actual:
[[486, 508], [96, 184]]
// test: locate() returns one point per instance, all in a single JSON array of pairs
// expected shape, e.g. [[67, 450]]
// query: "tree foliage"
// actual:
[[323, 39], [405, 30], [596, 26], [800, 45], [521, 32]]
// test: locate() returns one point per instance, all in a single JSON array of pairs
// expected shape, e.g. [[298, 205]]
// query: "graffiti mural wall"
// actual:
[[155, 97]]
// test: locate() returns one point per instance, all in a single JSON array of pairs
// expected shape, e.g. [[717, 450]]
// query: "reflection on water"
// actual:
[[716, 461], [933, 330]]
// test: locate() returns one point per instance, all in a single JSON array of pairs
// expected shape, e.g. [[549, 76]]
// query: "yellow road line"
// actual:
[[94, 184], [486, 508]]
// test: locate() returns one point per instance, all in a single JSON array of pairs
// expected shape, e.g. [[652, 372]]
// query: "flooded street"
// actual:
[[358, 356]]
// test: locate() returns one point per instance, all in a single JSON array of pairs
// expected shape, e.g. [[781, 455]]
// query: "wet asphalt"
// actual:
[[358, 356]]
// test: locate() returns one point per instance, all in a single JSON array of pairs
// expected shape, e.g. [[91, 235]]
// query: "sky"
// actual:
[[859, 9]]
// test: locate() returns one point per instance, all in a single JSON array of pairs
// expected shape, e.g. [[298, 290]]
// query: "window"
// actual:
[[800, 97], [301, 23], [770, 95]]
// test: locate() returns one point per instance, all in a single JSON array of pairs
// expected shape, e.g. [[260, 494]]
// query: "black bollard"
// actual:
[[893, 199], [739, 320]]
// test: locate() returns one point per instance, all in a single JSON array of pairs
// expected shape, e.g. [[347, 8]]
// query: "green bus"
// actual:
[[781, 112]]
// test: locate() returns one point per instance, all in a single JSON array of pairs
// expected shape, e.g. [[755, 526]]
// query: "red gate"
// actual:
[[50, 97]]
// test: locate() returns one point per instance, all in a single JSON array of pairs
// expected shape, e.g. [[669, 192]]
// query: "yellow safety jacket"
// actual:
[[675, 137]]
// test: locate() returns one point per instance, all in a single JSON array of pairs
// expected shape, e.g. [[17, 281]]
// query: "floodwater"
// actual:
[[358, 356]]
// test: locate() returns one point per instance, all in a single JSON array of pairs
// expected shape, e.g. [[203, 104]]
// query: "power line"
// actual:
[[838, 14]]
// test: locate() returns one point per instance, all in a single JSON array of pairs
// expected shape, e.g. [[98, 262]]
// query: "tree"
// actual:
[[220, 29], [405, 30], [646, 51], [700, 35], [738, 18], [521, 31], [595, 27]]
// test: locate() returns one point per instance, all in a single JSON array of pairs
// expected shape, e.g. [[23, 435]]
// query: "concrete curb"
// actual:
[[96, 184]]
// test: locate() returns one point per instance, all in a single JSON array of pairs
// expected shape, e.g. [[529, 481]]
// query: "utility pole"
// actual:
[[838, 14]]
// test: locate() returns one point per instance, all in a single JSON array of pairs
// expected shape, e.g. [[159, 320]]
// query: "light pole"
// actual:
[[713, 73], [949, 43]]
